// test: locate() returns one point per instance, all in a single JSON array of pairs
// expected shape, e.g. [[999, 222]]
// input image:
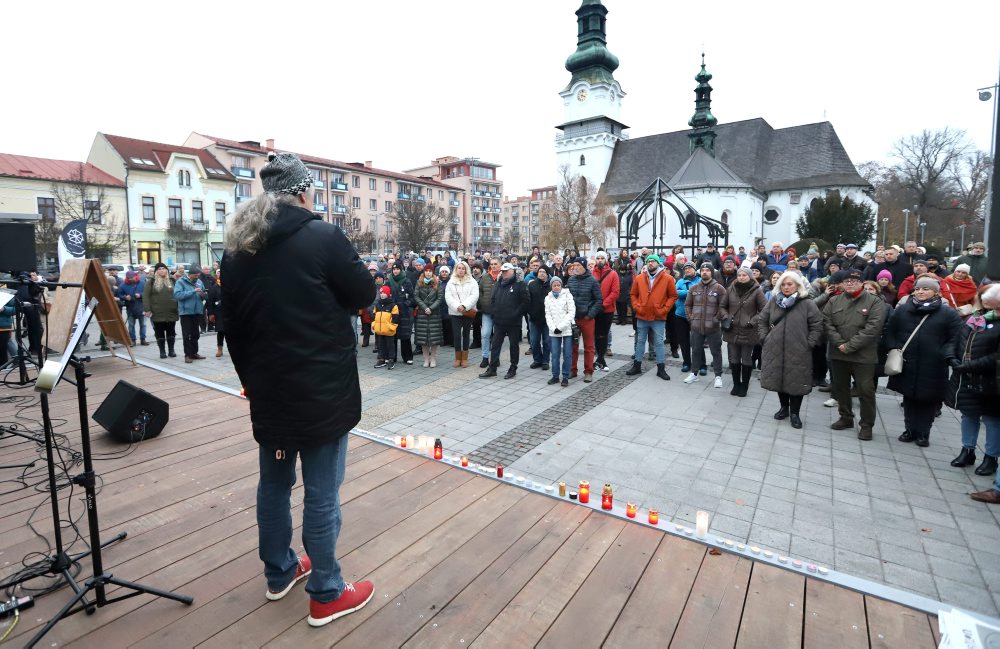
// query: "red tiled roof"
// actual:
[[159, 153], [327, 162], [22, 166]]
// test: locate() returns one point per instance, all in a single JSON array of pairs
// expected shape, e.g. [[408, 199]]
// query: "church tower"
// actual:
[[592, 100], [703, 121]]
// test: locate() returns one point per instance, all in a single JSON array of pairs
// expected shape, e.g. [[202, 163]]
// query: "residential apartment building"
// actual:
[[526, 219], [63, 190], [357, 196], [482, 228], [177, 198]]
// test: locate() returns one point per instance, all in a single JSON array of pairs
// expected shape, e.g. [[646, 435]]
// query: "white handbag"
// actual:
[[894, 360]]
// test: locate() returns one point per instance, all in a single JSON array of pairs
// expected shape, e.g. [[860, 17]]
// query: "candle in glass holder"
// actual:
[[562, 489], [465, 461], [701, 524], [630, 510], [499, 470], [584, 491], [402, 442], [410, 442], [654, 517], [397, 440], [438, 450], [607, 497]]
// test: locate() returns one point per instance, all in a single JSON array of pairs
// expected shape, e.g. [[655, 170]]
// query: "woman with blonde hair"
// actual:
[[158, 298], [790, 325], [461, 295]]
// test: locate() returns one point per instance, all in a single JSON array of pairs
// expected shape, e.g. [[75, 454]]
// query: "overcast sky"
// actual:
[[401, 82]]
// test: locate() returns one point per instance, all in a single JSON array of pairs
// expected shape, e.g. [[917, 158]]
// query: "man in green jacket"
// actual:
[[853, 322], [976, 259]]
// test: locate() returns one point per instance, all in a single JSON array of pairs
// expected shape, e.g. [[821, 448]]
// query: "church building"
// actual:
[[752, 178]]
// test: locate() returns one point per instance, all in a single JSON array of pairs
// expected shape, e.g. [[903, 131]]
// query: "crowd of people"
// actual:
[[828, 320]]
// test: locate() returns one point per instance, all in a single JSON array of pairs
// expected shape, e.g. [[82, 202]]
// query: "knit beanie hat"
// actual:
[[555, 280], [964, 267], [928, 281], [284, 173], [160, 265], [744, 270], [386, 291], [884, 273]]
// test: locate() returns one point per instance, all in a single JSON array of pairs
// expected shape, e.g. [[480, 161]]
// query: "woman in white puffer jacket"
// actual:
[[461, 294], [560, 316]]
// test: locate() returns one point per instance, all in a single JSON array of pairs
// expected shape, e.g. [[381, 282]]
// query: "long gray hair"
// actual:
[[250, 225]]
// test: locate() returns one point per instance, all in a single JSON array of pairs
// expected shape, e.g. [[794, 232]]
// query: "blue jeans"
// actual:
[[561, 349], [322, 474], [538, 338], [645, 328], [131, 327], [970, 432], [486, 332]]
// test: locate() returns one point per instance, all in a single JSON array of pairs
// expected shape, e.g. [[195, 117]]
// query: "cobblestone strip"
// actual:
[[521, 440]]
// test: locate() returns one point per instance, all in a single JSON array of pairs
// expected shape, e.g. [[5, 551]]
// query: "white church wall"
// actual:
[[791, 204]]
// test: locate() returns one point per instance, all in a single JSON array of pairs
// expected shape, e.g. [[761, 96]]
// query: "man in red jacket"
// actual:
[[610, 288], [654, 294]]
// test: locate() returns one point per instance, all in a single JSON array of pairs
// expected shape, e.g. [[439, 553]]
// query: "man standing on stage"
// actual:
[[292, 283]]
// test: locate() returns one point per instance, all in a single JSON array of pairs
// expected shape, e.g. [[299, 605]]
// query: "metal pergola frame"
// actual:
[[657, 194]]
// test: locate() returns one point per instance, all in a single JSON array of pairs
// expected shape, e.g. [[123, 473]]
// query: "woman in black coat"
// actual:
[[623, 266], [402, 294], [216, 316], [538, 329], [924, 379], [973, 389]]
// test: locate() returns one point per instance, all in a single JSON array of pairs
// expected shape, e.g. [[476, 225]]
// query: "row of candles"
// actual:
[[435, 449]]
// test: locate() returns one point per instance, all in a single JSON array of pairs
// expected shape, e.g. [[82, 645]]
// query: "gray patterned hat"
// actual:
[[284, 173]]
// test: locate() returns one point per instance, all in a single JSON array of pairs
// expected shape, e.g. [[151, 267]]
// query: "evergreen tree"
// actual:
[[837, 219]]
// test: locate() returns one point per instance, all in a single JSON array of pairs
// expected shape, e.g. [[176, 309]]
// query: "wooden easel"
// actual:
[[66, 303]]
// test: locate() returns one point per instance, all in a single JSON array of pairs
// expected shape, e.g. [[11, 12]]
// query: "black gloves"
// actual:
[[955, 364]]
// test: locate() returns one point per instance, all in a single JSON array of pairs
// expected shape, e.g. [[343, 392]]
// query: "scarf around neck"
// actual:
[[787, 302]]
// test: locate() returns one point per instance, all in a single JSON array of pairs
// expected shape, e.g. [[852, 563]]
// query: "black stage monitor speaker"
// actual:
[[17, 246], [131, 414]]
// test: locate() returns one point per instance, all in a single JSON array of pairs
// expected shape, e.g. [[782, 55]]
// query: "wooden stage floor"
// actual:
[[458, 560]]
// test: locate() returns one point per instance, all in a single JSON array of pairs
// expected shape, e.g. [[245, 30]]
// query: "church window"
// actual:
[[583, 160], [724, 218], [795, 198], [771, 216]]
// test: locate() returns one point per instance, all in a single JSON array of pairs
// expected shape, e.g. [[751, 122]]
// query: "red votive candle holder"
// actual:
[[654, 517], [584, 491], [465, 461], [438, 449], [630, 510], [402, 441], [499, 470], [607, 497]]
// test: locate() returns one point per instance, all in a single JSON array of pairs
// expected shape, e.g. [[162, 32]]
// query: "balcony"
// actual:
[[454, 203], [403, 196], [476, 192], [338, 186], [340, 209], [243, 172], [455, 220], [319, 184], [497, 210], [496, 194], [319, 208], [421, 198]]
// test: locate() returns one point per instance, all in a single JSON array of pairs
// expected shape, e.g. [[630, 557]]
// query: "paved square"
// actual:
[[883, 510]]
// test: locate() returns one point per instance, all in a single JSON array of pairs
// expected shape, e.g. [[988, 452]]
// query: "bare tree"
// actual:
[[420, 224], [925, 164], [78, 199], [363, 240], [578, 218]]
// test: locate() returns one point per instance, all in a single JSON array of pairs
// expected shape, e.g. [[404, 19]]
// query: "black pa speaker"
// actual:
[[17, 246], [131, 414]]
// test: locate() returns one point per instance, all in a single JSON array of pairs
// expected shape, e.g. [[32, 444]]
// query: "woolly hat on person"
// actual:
[[582, 260], [655, 257], [194, 270], [884, 273], [444, 269], [386, 291], [397, 264], [745, 270], [160, 265], [284, 173], [708, 265], [965, 267], [373, 266], [689, 264], [555, 280], [927, 281], [601, 254]]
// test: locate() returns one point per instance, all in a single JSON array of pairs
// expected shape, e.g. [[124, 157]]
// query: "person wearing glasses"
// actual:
[[853, 320]]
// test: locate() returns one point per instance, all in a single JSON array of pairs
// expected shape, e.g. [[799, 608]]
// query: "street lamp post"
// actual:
[[962, 244], [885, 229], [923, 224], [986, 94], [906, 225]]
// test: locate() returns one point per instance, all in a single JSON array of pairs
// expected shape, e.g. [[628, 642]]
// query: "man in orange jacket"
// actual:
[[653, 296]]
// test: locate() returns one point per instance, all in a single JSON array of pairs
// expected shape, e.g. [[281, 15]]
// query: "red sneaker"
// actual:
[[354, 597], [305, 567]]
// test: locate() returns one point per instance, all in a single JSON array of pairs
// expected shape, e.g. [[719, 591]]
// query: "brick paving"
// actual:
[[881, 510]]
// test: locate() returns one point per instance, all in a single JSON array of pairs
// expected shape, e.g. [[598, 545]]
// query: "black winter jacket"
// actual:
[[537, 290], [287, 311], [925, 361], [973, 387], [509, 301], [586, 291]]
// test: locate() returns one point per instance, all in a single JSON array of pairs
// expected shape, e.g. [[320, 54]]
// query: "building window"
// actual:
[[771, 216], [220, 213], [372, 184], [47, 208], [583, 160], [372, 204], [175, 213], [356, 181], [92, 212], [319, 198], [388, 186], [184, 178], [318, 174], [197, 212], [795, 198], [243, 190], [388, 206], [148, 209], [188, 252], [356, 202], [241, 161], [440, 194]]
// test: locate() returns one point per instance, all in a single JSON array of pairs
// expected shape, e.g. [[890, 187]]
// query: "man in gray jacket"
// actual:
[[853, 321], [702, 306]]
